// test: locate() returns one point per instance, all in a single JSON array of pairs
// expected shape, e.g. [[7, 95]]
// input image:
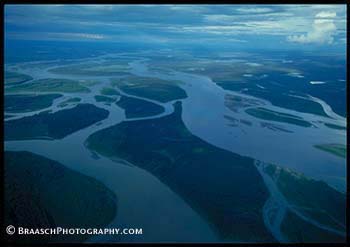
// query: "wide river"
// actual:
[[142, 197]]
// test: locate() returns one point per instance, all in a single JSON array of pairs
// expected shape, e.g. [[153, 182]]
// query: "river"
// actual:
[[141, 196]]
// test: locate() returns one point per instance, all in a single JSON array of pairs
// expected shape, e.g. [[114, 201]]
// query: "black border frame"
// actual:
[[183, 2]]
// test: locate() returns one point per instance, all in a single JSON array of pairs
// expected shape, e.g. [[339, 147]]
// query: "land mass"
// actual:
[[151, 88], [42, 193], [138, 108], [27, 103], [46, 125], [190, 167]]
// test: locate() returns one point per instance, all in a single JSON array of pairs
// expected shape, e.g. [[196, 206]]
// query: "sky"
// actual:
[[287, 26]]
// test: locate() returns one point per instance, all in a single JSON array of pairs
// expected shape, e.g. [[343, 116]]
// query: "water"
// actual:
[[141, 196], [204, 111]]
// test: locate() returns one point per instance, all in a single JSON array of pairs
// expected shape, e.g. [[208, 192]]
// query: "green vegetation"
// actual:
[[152, 88], [190, 167], [28, 102], [42, 193], [42, 65], [274, 127], [314, 199], [109, 91], [14, 78], [336, 149], [138, 108], [334, 126], [70, 100], [233, 122], [234, 103], [115, 68], [299, 231], [270, 80], [88, 83], [220, 69], [266, 114], [106, 99], [49, 85], [56, 125], [267, 111], [276, 96]]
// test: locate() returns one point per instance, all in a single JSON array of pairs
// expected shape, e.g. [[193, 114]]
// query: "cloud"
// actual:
[[254, 10], [176, 23], [55, 36], [86, 36], [343, 40], [219, 18], [326, 14], [98, 7], [323, 30]]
